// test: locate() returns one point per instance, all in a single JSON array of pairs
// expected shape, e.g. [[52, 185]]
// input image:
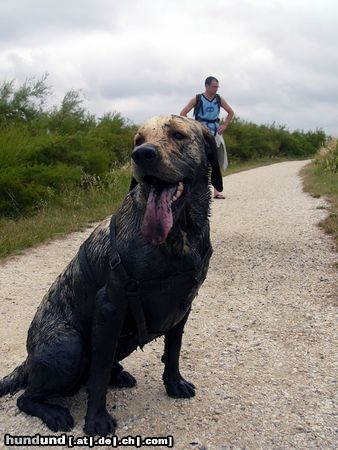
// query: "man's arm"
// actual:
[[189, 107], [229, 117]]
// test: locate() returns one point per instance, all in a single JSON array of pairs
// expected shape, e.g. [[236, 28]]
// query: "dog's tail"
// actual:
[[15, 381]]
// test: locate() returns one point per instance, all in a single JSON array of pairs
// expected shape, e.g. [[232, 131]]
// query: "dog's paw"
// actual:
[[179, 388], [101, 424], [122, 380], [57, 418]]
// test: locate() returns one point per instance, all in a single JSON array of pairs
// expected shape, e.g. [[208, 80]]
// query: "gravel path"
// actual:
[[259, 344]]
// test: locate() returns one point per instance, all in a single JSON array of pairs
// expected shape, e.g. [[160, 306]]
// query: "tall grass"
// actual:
[[321, 180], [74, 210]]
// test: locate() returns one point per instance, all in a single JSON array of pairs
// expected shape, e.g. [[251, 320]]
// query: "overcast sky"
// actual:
[[276, 60]]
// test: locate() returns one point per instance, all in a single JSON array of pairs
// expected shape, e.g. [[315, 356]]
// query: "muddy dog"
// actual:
[[133, 280]]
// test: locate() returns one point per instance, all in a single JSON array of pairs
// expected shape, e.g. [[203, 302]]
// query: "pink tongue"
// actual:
[[158, 218]]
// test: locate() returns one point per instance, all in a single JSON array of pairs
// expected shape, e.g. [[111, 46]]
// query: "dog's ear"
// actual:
[[211, 151], [133, 183]]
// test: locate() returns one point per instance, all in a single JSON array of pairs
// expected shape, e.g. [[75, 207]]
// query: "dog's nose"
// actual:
[[145, 154]]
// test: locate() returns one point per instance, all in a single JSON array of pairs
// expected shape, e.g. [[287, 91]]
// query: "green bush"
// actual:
[[246, 140], [25, 103], [46, 152], [23, 188]]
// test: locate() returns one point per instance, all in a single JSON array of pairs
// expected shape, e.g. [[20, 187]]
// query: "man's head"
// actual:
[[211, 86]]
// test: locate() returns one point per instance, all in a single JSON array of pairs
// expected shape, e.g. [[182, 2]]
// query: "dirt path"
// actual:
[[259, 344]]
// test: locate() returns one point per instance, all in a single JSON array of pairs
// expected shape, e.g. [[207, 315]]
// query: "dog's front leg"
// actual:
[[107, 325], [176, 386]]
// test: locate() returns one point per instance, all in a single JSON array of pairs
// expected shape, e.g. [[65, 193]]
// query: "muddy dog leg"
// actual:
[[176, 386], [107, 324], [54, 369]]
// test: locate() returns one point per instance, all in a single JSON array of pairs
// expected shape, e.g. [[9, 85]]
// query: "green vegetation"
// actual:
[[45, 153], [321, 179], [246, 141], [62, 168], [75, 210]]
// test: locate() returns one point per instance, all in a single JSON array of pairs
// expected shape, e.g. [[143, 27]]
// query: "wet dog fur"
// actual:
[[74, 338]]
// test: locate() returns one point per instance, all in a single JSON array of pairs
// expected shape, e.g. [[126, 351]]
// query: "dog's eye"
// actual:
[[139, 140], [178, 136]]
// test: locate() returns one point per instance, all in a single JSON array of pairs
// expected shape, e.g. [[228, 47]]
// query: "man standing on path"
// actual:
[[206, 110]]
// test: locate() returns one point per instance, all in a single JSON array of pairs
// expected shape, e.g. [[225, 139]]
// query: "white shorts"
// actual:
[[221, 152]]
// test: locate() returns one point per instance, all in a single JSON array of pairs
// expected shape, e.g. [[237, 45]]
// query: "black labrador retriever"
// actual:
[[133, 280]]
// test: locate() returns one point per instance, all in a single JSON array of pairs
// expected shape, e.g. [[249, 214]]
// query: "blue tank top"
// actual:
[[208, 113]]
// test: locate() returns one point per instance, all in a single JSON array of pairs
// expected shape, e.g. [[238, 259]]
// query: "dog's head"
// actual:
[[171, 156]]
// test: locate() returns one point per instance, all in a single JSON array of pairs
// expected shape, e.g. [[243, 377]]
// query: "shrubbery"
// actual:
[[44, 152], [246, 140]]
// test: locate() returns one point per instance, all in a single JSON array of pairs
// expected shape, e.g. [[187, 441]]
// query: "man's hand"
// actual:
[[221, 129]]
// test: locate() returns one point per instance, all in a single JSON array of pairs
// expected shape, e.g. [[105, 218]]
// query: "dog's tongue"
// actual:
[[158, 218]]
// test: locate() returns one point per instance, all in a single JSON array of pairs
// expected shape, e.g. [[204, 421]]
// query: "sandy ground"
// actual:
[[259, 344]]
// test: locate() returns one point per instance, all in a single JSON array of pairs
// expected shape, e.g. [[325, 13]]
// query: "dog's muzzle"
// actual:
[[161, 195]]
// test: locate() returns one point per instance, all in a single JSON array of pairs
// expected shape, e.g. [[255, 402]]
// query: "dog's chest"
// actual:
[[155, 306], [145, 262], [165, 291]]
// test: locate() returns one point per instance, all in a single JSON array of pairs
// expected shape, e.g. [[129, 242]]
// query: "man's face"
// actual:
[[212, 88]]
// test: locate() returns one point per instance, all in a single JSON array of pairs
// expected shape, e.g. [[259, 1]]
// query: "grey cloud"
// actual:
[[37, 20], [275, 60]]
